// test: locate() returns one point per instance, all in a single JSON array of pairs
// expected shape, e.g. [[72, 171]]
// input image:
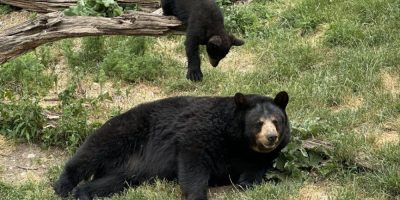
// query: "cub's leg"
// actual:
[[192, 52]]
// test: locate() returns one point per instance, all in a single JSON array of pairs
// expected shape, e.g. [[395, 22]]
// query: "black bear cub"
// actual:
[[205, 26], [198, 141]]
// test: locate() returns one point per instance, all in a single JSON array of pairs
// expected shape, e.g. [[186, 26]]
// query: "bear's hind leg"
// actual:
[[69, 178], [63, 185], [80, 167], [102, 187]]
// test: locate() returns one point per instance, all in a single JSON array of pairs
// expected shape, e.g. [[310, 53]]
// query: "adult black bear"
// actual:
[[205, 26], [199, 141]]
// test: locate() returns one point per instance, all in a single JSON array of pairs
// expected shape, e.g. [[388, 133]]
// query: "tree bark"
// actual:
[[56, 26], [45, 6]]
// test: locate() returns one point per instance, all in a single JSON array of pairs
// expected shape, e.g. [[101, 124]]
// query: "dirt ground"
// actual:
[[22, 162]]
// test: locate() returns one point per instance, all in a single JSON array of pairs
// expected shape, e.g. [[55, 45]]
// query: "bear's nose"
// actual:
[[272, 137], [213, 62]]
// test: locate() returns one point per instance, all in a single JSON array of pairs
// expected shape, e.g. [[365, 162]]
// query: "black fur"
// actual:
[[199, 141], [205, 26]]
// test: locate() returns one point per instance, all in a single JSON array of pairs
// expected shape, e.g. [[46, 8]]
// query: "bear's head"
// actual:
[[219, 45], [266, 124]]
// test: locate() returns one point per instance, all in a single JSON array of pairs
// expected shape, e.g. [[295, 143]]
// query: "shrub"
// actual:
[[24, 76], [22, 120]]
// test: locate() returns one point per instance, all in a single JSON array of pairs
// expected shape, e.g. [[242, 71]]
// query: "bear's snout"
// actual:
[[213, 62], [271, 137], [267, 138]]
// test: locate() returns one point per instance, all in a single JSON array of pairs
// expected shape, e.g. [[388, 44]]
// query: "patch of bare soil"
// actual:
[[63, 77], [22, 162], [379, 136], [316, 38], [238, 59], [123, 95], [12, 19], [390, 133], [391, 137], [350, 102], [313, 192], [391, 83]]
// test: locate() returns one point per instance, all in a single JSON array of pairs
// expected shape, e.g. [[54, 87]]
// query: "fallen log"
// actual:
[[46, 6], [56, 26]]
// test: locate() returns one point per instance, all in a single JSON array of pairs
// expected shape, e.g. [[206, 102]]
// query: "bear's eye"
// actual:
[[275, 122], [259, 124]]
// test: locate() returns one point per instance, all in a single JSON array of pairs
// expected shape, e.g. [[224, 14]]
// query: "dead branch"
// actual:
[[315, 144], [45, 6], [27, 168], [55, 26]]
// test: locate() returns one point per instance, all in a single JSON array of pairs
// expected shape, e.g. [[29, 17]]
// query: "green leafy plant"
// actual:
[[23, 120], [297, 161], [72, 127], [224, 2], [105, 8]]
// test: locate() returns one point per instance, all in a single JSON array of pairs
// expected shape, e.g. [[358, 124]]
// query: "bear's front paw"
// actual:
[[194, 75], [81, 194], [62, 187]]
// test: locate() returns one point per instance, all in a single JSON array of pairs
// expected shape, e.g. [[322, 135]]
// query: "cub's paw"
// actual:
[[194, 75]]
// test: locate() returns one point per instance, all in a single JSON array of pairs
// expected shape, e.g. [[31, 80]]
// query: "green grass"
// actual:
[[339, 61]]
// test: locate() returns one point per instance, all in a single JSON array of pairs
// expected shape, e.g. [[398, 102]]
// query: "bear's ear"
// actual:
[[240, 100], [282, 99], [215, 40], [235, 41]]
